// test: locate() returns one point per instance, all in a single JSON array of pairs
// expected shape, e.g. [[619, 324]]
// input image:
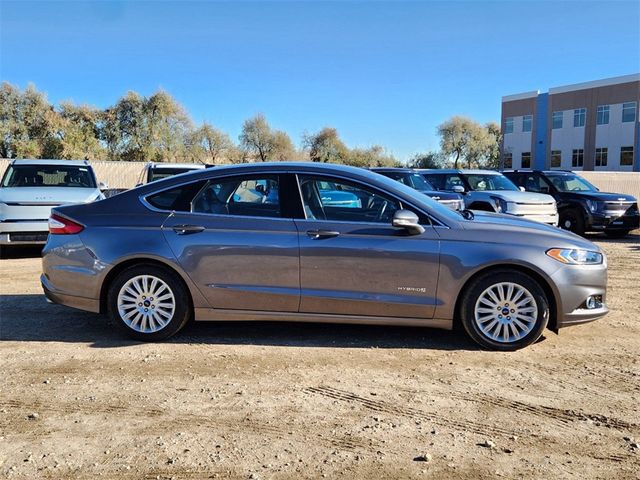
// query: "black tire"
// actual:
[[616, 233], [478, 286], [572, 220], [182, 304]]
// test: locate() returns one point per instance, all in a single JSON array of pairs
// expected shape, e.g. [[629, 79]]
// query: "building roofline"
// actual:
[[634, 77], [520, 96]]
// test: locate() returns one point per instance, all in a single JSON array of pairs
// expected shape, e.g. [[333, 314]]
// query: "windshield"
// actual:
[[414, 180], [487, 181], [570, 183], [49, 176], [160, 173]]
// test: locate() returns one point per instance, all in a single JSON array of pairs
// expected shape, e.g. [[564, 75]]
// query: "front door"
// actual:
[[353, 262], [236, 246]]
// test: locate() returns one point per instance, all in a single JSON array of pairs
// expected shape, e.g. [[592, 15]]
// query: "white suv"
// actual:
[[30, 188]]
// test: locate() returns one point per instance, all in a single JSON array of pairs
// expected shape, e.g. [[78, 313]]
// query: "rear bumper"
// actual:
[[24, 232], [88, 304]]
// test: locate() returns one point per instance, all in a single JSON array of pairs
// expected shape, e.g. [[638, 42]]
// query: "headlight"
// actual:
[[500, 204], [575, 256], [592, 205]]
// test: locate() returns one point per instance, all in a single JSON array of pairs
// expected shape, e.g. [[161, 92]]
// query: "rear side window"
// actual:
[[254, 196], [178, 198]]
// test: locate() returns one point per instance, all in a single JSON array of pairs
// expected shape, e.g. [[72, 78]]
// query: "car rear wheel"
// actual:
[[148, 303], [504, 310], [572, 220]]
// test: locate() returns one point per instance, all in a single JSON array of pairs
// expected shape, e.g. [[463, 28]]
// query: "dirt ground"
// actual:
[[311, 401]]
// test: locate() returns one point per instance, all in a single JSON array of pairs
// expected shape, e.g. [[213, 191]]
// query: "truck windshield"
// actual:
[[480, 182], [568, 182], [49, 176]]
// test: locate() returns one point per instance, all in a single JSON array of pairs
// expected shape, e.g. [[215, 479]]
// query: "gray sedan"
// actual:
[[316, 243]]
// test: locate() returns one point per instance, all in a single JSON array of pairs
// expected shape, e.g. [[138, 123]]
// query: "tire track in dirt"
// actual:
[[408, 412]]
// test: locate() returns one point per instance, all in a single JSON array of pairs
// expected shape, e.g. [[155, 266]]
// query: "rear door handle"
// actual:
[[188, 229], [317, 234]]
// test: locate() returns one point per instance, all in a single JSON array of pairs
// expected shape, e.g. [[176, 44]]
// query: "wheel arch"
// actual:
[[552, 296], [132, 262]]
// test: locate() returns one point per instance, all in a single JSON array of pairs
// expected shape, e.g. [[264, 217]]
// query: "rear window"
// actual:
[[178, 198], [49, 176]]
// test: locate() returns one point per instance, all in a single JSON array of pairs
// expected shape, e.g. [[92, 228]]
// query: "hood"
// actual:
[[47, 195], [601, 196], [511, 225], [521, 197]]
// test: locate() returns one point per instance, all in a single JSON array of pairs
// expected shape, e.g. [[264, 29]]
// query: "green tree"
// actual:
[[258, 139], [463, 139], [76, 128], [495, 140], [374, 156], [325, 146], [211, 144], [427, 160]]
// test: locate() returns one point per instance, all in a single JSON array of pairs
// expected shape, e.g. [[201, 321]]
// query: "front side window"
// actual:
[[629, 111], [577, 157], [602, 157], [446, 181], [579, 117], [626, 156], [49, 176], [508, 125], [526, 123], [556, 120], [254, 196], [332, 199], [534, 183], [525, 160], [602, 115], [508, 160], [481, 182], [556, 158]]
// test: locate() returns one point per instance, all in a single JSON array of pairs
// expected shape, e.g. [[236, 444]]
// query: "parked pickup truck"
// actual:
[[491, 191], [581, 206], [413, 179]]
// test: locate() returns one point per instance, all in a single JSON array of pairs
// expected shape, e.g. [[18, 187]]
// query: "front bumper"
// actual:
[[549, 219], [24, 232], [575, 283], [612, 221]]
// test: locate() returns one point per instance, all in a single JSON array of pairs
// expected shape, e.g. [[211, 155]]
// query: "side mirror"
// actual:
[[103, 186], [522, 189], [458, 189], [407, 220]]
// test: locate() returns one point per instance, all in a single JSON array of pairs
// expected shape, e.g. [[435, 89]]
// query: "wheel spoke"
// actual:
[[159, 311]]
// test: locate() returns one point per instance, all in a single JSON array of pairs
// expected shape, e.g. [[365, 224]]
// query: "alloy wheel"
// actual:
[[146, 303]]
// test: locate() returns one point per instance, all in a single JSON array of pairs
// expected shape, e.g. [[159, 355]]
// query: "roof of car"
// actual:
[[161, 165], [49, 162], [533, 170], [460, 171], [392, 169]]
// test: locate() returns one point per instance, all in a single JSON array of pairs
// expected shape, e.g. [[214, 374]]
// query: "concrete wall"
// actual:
[[125, 175]]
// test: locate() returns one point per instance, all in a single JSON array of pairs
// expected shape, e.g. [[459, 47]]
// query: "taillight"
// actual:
[[63, 226]]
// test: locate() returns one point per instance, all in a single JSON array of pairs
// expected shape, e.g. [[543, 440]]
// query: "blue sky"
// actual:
[[380, 72]]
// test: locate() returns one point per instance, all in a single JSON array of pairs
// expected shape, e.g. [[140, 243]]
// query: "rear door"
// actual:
[[353, 262], [235, 243]]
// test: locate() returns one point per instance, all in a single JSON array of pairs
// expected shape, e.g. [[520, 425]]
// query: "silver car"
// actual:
[[30, 188], [270, 242]]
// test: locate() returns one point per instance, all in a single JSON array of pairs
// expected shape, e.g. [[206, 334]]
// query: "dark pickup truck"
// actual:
[[581, 206]]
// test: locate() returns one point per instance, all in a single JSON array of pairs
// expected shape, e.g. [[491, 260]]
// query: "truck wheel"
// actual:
[[572, 220]]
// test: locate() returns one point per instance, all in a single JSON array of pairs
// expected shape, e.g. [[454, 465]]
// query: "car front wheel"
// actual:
[[504, 310], [148, 303]]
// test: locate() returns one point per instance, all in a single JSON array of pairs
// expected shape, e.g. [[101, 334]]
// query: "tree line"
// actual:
[[157, 128]]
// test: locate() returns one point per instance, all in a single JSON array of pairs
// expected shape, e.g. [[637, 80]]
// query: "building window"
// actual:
[[602, 115], [525, 160], [579, 117], [526, 123], [577, 158], [601, 157], [626, 156], [556, 158], [508, 160], [508, 125], [557, 120], [629, 111]]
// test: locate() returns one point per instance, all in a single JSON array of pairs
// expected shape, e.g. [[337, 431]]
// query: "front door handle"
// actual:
[[317, 234], [188, 229]]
